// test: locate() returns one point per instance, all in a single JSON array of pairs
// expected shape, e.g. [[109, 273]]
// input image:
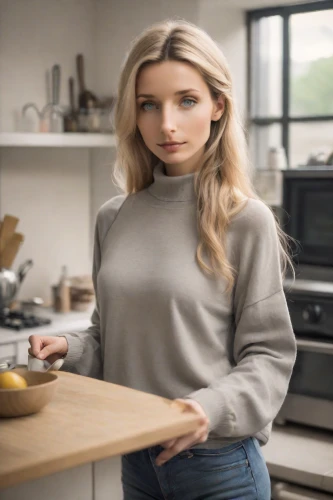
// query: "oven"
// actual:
[[308, 217], [310, 396]]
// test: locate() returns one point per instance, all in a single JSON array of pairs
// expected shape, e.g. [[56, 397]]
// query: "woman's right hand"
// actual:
[[49, 348]]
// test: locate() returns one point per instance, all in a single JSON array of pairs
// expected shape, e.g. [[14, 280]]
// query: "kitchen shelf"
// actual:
[[65, 140]]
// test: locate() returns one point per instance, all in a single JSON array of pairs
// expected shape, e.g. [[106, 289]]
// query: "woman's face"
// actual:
[[174, 106]]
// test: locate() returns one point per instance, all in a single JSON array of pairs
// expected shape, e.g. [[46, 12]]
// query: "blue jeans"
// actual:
[[234, 472]]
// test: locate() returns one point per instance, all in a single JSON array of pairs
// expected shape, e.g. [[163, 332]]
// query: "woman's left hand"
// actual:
[[175, 446]]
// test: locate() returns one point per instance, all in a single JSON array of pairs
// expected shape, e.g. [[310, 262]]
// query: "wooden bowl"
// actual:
[[20, 402]]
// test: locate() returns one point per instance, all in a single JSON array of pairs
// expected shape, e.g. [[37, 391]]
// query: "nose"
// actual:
[[168, 121]]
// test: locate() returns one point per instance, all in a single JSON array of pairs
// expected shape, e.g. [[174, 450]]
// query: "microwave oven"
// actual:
[[308, 213]]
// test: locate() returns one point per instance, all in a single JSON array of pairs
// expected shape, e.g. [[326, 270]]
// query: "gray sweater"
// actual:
[[162, 326]]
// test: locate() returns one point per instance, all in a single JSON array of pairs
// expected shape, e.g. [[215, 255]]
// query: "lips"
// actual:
[[170, 143], [172, 147]]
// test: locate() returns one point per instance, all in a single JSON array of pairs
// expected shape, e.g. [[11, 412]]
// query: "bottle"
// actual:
[[64, 291], [277, 159]]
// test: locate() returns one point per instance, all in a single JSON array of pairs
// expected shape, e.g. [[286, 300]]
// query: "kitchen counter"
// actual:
[[60, 323], [301, 455], [87, 421], [14, 344]]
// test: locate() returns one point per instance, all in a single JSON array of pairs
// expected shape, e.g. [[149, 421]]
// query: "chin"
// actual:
[[172, 158]]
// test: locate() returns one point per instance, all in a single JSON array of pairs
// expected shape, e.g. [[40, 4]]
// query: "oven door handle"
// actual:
[[314, 346], [284, 491]]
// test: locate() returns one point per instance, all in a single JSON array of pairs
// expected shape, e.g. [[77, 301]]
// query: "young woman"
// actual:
[[188, 270]]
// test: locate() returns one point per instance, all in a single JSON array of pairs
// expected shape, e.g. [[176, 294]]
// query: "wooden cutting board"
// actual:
[[88, 420]]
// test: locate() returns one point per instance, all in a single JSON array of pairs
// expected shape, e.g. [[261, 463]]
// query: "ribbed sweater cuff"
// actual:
[[221, 418], [75, 350]]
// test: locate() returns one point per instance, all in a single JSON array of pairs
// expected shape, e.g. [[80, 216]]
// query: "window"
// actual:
[[290, 70]]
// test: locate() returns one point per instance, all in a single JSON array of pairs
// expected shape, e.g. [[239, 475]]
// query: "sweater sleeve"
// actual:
[[84, 354], [264, 346]]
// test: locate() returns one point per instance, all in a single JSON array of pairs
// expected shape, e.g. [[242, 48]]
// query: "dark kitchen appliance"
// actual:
[[310, 396], [308, 199], [86, 99], [308, 208], [17, 320]]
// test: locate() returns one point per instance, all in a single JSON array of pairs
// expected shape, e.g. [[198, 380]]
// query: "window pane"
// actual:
[[261, 139], [309, 138], [266, 57], [311, 75]]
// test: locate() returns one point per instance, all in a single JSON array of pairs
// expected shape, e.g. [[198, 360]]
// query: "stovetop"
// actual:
[[19, 320]]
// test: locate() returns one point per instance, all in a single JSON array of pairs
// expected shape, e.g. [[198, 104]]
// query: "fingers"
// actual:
[[175, 446], [48, 350], [36, 343], [169, 444], [44, 347], [192, 405], [182, 443]]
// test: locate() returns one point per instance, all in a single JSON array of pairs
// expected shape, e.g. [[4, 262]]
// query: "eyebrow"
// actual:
[[179, 92]]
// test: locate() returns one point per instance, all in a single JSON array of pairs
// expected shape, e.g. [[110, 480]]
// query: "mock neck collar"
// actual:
[[172, 188]]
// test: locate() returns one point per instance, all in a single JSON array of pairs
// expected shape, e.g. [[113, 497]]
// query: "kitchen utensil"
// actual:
[[24, 268], [7, 229], [10, 282], [70, 120], [87, 99], [56, 119], [9, 253], [41, 365], [20, 402], [43, 122]]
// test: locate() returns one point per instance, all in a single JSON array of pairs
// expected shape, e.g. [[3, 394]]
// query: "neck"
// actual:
[[178, 188]]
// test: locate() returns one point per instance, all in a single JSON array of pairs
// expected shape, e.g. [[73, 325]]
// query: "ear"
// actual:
[[218, 108]]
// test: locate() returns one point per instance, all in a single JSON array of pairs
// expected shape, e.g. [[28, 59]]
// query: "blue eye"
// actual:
[[190, 103], [147, 106]]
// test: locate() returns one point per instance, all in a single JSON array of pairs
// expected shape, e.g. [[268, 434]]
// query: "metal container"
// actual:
[[10, 282]]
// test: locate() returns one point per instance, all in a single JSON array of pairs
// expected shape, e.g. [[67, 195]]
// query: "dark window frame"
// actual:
[[285, 12]]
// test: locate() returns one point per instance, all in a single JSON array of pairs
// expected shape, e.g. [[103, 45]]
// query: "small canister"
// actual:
[[277, 159]]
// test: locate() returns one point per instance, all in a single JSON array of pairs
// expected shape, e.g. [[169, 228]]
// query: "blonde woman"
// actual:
[[188, 269]]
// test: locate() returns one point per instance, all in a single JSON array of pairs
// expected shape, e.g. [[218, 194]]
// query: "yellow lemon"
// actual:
[[12, 380]]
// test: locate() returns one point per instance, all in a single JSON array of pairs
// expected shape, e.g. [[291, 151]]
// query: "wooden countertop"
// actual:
[[87, 420]]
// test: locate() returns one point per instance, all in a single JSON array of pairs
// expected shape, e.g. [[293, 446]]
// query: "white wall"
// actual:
[[49, 191], [120, 22], [227, 26]]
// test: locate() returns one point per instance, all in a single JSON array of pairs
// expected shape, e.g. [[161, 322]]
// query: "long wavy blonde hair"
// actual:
[[223, 182]]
